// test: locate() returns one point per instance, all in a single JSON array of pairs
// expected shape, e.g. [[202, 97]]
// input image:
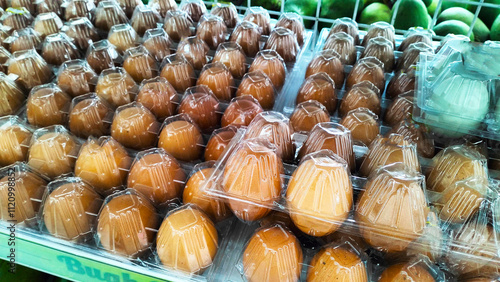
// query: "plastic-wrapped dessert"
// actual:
[[219, 79], [158, 96], [260, 17], [218, 142], [123, 37], [49, 6], [46, 24], [307, 114], [275, 128], [29, 191], [30, 67], [227, 12], [104, 164], [178, 25], [179, 72], [81, 31], [16, 137], [4, 58], [157, 176], [79, 9], [70, 208], [401, 82], [47, 105], [392, 210], [116, 86], [293, 22], [195, 239], [12, 97], [195, 193], [76, 78], [17, 18], [401, 108], [406, 271], [202, 106], [194, 8], [414, 35], [163, 6], [53, 151], [102, 55], [139, 64], [284, 41], [144, 18], [346, 25], [271, 63], [90, 116], [343, 44], [247, 35], [157, 42], [194, 50], [361, 95], [252, 174], [319, 87], [418, 134], [411, 54], [363, 125], [388, 150], [380, 29], [134, 126], [382, 49], [212, 30], [58, 48], [108, 14], [272, 254], [337, 262], [129, 6], [181, 138], [231, 55], [241, 111], [259, 86], [23, 39], [320, 194], [370, 69], [327, 61], [134, 211]]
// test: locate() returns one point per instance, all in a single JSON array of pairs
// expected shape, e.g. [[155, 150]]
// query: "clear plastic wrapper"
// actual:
[[159, 97], [116, 86], [102, 55], [59, 48], [76, 78], [49, 6], [79, 9], [129, 6], [194, 50], [27, 4], [47, 105], [123, 36], [81, 31], [23, 39], [380, 29], [319, 87], [178, 25], [361, 95], [47, 23], [29, 189], [329, 62], [181, 138], [17, 18], [103, 163], [275, 128], [4, 58], [139, 64], [212, 30], [158, 176], [163, 6], [158, 43], [231, 54], [179, 72], [241, 111], [219, 79], [69, 209], [30, 67], [293, 22], [414, 35], [202, 106], [248, 35], [363, 124], [411, 54], [135, 127], [388, 150], [271, 63], [401, 108], [382, 49], [218, 142], [187, 240], [12, 96], [307, 114], [53, 151], [347, 25], [370, 69], [452, 38], [418, 134], [260, 17], [283, 41], [227, 12], [258, 85], [343, 44], [108, 14], [5, 31], [127, 208], [90, 115], [400, 83], [194, 8], [144, 18], [16, 137]]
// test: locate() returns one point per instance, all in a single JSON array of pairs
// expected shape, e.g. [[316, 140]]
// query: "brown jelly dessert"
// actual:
[[178, 25], [231, 55], [79, 9], [307, 114], [337, 261], [363, 125], [346, 25], [163, 6], [370, 69], [49, 6], [194, 50], [109, 14], [181, 138], [227, 12], [327, 61], [218, 142], [241, 111], [116, 86], [28, 4], [219, 79], [319, 87], [144, 18], [361, 95], [380, 29], [179, 72], [418, 135], [271, 63], [46, 24], [81, 31], [159, 97], [47, 105], [259, 86], [5, 56], [17, 18], [16, 137], [343, 44], [12, 96], [157, 42], [411, 54], [400, 109], [247, 35], [202, 106], [194, 8], [284, 41], [260, 17], [382, 49], [140, 64], [102, 55], [212, 30], [30, 67], [23, 39], [134, 126], [414, 35], [123, 37], [76, 78], [58, 48], [129, 6], [90, 116], [406, 271], [293, 22], [401, 82]]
